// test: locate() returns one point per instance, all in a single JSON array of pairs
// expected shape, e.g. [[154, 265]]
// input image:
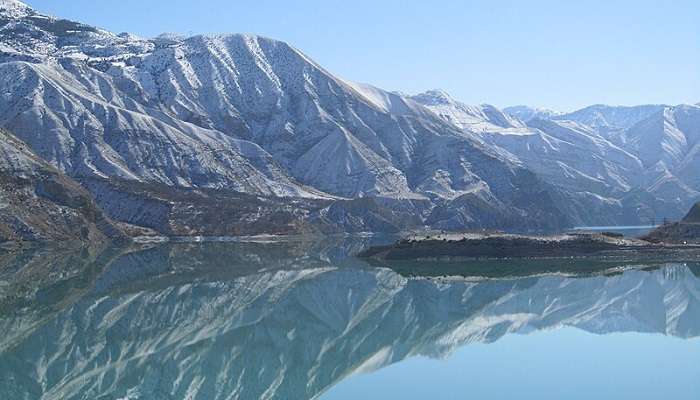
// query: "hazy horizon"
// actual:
[[543, 54]]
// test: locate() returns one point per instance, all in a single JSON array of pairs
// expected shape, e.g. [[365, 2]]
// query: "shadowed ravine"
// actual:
[[280, 320]]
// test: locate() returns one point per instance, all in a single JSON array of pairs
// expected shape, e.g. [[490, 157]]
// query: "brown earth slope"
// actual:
[[37, 202]]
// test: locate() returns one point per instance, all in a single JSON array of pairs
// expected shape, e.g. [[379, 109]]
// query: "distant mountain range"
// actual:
[[170, 132]]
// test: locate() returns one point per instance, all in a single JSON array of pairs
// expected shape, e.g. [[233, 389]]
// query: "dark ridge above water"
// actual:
[[686, 230], [505, 246]]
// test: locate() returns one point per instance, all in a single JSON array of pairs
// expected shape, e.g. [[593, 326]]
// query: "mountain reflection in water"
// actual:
[[280, 320]]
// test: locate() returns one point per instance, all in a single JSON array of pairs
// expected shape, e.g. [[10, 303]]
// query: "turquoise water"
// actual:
[[627, 230], [305, 320]]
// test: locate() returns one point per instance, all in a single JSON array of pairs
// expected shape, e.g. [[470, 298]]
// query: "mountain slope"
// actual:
[[568, 154], [668, 144], [593, 174], [86, 135], [609, 121], [37, 202], [526, 113], [630, 164], [464, 116], [693, 216]]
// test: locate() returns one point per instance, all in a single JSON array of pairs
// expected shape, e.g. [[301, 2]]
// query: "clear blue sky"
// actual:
[[557, 54]]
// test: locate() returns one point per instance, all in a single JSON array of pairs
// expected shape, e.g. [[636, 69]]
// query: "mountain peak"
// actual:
[[6, 4], [465, 116], [612, 117], [14, 8], [434, 97], [527, 113]]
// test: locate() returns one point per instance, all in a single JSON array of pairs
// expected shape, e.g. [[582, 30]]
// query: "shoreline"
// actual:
[[499, 246]]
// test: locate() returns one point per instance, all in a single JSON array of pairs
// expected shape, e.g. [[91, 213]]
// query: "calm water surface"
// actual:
[[627, 230], [304, 320]]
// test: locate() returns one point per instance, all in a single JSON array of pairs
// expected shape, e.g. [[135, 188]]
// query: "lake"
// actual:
[[304, 319], [627, 230]]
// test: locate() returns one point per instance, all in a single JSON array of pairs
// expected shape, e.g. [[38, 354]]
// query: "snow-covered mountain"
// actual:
[[663, 138], [526, 113], [618, 159], [163, 119], [668, 137], [239, 113], [248, 326], [572, 155], [611, 118], [668, 144], [464, 116]]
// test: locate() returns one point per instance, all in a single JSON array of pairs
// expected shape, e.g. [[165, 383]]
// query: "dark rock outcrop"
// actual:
[[37, 202], [686, 230]]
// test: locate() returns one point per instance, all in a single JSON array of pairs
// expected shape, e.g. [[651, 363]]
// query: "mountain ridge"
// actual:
[[238, 112]]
